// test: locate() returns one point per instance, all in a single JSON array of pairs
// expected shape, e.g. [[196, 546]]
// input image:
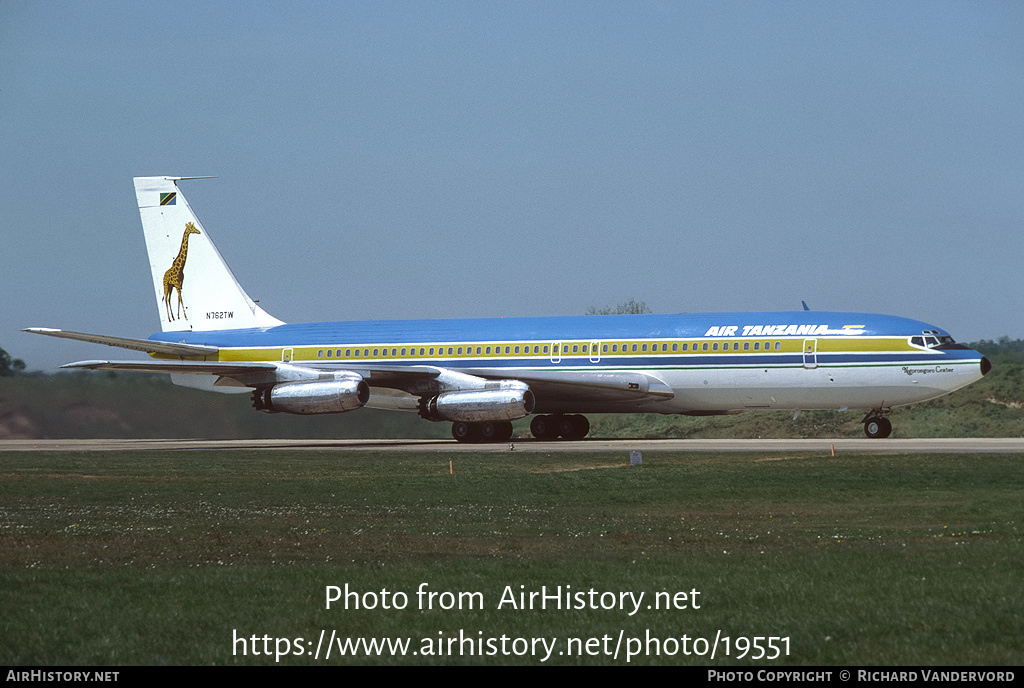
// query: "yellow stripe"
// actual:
[[624, 348]]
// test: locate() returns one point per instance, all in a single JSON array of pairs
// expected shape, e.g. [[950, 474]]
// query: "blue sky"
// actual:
[[450, 159]]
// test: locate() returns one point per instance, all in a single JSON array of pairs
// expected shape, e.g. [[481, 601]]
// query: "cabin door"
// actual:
[[810, 353]]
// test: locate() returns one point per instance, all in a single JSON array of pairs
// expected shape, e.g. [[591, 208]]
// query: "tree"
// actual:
[[9, 366], [631, 307]]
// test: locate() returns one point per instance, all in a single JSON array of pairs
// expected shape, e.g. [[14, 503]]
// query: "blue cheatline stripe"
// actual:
[[551, 329]]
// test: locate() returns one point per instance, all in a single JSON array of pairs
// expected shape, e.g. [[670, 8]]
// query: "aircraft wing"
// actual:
[[575, 385], [229, 368], [581, 386], [258, 373]]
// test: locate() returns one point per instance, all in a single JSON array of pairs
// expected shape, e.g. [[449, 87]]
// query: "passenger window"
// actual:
[[348, 353], [320, 353], [604, 348], [746, 346], [675, 346], [584, 348], [545, 348], [778, 345], [704, 347], [634, 348], [478, 351], [714, 347]]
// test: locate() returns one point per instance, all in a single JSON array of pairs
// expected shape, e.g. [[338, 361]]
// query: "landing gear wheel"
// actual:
[[486, 431], [877, 427], [465, 432], [495, 431], [544, 427], [573, 427]]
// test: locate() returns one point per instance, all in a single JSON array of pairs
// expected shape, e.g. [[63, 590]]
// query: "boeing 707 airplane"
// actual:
[[482, 374]]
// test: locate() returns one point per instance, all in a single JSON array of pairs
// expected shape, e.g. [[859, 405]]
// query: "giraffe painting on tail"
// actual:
[[175, 276]]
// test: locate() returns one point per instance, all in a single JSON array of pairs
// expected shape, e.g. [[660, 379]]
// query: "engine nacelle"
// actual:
[[307, 398], [477, 405]]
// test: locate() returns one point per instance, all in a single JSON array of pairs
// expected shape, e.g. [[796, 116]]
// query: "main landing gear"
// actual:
[[486, 431], [876, 426], [567, 427]]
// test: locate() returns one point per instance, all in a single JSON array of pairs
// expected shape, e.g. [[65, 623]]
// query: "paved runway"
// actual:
[[1003, 445]]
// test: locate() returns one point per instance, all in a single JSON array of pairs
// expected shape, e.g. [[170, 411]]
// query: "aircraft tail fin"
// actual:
[[195, 288]]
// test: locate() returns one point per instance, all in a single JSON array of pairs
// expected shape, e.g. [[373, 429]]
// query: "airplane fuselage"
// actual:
[[695, 363]]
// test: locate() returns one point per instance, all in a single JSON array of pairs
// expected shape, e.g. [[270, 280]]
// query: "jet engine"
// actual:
[[471, 406], [319, 396]]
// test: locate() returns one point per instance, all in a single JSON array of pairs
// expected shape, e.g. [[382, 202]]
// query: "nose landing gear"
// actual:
[[876, 426]]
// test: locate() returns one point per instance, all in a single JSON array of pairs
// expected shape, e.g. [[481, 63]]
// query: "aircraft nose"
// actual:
[[986, 365]]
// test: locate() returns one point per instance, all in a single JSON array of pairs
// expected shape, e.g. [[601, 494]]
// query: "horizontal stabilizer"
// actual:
[[147, 345]]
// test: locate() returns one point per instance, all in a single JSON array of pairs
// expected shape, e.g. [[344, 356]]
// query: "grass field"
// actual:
[[165, 558]]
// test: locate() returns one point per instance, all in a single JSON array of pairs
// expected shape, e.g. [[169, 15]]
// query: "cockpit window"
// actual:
[[933, 340]]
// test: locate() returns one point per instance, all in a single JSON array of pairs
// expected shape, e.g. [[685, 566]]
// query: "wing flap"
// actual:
[[586, 386]]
